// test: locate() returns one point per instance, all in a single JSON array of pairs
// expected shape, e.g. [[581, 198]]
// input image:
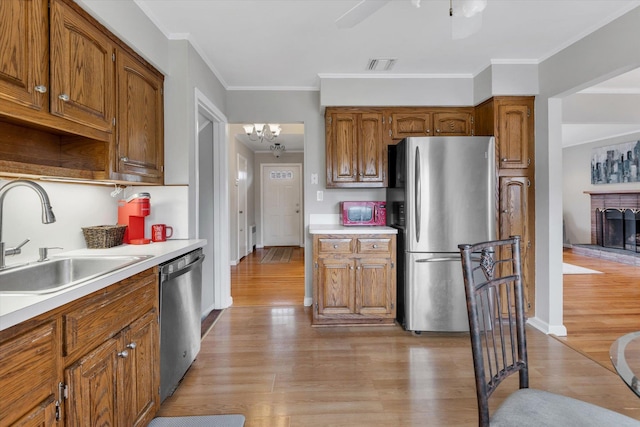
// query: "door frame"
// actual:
[[239, 197], [220, 189], [262, 197]]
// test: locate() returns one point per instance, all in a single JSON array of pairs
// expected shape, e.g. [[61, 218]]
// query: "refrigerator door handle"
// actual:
[[418, 192]]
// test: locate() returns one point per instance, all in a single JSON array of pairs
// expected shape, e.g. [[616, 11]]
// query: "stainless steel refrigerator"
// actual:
[[441, 194]]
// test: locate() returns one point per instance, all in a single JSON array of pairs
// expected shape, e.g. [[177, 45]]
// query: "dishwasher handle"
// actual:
[[187, 268]]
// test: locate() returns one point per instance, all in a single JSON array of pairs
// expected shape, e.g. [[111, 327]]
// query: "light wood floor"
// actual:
[[264, 360], [598, 308]]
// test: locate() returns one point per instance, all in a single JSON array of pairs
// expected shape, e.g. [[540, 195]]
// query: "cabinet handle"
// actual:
[[123, 354], [505, 211], [505, 159], [375, 246], [335, 246], [124, 159], [41, 88], [64, 97], [351, 267], [437, 130], [132, 346]]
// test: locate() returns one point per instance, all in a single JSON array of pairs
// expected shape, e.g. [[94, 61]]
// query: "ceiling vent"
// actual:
[[381, 64]]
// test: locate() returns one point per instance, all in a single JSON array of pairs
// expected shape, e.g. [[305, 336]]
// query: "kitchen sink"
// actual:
[[60, 273]]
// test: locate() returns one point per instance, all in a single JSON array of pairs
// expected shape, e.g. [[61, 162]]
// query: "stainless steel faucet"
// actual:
[[47, 213]]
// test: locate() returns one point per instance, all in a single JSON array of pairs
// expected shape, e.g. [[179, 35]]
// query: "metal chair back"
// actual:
[[495, 303]]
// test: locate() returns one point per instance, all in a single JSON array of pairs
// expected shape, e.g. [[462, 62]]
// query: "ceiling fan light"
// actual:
[[472, 7]]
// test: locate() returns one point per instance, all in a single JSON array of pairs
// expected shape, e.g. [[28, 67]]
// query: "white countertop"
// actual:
[[341, 229], [16, 309]]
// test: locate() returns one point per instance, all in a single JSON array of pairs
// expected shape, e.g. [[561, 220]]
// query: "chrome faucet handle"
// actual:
[[16, 250], [44, 252]]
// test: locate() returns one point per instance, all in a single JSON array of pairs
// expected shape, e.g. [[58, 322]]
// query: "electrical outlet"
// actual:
[[314, 178], [319, 196]]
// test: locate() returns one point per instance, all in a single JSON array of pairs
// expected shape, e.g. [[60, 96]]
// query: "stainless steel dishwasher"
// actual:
[[180, 296]]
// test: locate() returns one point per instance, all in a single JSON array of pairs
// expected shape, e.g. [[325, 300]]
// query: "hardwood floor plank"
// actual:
[[264, 360]]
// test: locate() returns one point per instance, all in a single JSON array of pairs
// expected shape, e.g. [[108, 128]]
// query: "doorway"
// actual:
[[242, 206]]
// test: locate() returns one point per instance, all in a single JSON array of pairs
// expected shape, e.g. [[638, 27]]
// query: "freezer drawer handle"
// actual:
[[447, 258], [440, 259], [185, 269]]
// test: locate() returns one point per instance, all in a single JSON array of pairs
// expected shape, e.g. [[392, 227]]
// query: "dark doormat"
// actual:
[[277, 255]]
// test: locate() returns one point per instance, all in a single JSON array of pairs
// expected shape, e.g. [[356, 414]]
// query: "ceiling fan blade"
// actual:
[[359, 13]]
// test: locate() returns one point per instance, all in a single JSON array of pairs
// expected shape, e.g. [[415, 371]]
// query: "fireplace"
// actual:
[[615, 220]]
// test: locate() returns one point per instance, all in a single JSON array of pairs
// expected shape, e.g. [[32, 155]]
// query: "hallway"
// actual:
[[277, 284]]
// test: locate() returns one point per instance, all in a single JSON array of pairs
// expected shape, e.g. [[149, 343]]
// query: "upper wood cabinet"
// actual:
[[510, 119], [405, 125], [139, 151], [453, 123], [82, 70], [405, 122], [355, 149], [24, 53], [62, 93]]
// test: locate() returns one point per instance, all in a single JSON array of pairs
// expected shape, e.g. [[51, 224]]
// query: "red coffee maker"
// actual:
[[131, 212]]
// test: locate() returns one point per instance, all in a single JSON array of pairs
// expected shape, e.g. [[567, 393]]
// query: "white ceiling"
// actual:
[[288, 44]]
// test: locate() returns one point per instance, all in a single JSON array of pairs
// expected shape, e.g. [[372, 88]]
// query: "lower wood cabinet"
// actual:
[[94, 361], [354, 279]]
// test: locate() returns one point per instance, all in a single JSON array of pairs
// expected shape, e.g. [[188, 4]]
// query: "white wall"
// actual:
[[76, 206]]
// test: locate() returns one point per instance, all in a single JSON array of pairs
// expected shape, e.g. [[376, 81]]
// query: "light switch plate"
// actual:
[[319, 196]]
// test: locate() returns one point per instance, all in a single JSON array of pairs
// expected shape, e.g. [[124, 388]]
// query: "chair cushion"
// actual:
[[537, 408]]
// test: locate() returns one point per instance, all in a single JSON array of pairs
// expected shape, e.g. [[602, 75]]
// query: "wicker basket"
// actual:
[[103, 236]]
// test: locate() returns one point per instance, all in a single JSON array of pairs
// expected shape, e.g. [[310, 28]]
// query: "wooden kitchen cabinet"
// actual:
[[94, 361], [24, 54], [511, 120], [62, 94], [515, 217], [29, 374], [458, 122], [82, 69], [117, 382], [354, 280], [139, 153], [410, 124], [114, 384], [355, 149]]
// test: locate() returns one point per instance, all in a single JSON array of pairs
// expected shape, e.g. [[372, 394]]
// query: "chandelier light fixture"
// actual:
[[277, 149], [261, 131], [466, 17]]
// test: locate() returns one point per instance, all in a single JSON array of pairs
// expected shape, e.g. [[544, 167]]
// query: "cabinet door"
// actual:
[[28, 374], [371, 150], [24, 52], [374, 293], [513, 136], [44, 415], [140, 381], [452, 123], [93, 392], [140, 111], [82, 70], [404, 125], [336, 286], [514, 220], [342, 149]]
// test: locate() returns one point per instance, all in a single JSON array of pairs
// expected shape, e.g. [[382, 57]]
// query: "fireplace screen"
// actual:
[[618, 228]]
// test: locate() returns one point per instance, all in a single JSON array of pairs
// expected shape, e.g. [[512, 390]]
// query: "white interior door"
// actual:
[[281, 205], [242, 206]]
